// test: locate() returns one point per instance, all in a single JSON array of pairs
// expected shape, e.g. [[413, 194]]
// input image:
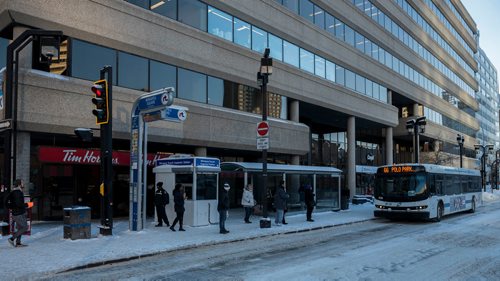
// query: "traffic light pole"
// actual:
[[107, 158]]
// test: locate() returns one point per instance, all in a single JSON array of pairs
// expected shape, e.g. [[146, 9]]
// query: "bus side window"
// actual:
[[432, 184]]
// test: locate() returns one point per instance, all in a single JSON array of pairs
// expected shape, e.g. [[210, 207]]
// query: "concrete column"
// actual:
[[389, 146], [294, 111], [415, 109], [351, 155], [200, 151], [389, 97], [295, 160], [26, 54], [23, 158]]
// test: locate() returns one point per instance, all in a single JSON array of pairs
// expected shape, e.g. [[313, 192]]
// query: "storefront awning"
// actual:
[[279, 168]]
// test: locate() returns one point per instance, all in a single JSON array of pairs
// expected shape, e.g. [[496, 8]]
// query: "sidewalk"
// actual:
[[49, 252]]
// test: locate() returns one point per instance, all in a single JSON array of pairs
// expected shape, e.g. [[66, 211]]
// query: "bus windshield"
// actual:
[[401, 186]]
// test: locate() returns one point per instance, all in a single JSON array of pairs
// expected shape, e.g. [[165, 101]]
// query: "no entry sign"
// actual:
[[262, 129]]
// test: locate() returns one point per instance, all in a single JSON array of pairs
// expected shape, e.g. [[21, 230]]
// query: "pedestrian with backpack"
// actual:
[[161, 200], [15, 202]]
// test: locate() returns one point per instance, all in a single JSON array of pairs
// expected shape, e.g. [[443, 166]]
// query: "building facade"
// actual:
[[348, 75]]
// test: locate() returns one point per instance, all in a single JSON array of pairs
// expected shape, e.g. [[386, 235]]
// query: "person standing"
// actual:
[[179, 196], [161, 200], [280, 199], [223, 207], [309, 200], [15, 202], [248, 202]]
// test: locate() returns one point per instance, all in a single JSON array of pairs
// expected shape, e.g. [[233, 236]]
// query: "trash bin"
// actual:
[[344, 199], [77, 222]]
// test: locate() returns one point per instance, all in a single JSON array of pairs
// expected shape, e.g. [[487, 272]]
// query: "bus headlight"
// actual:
[[380, 207], [421, 207]]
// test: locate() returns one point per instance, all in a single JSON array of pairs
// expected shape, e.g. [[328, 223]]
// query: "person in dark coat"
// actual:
[[310, 201], [280, 198], [223, 207], [15, 202], [179, 196], [161, 200]]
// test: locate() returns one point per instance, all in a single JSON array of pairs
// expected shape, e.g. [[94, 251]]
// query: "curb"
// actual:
[[187, 247]]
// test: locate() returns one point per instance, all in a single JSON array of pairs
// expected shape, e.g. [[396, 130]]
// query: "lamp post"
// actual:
[[460, 140], [266, 69], [497, 159], [484, 148], [416, 127]]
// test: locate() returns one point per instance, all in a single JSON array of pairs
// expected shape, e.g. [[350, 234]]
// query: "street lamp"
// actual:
[[497, 159], [460, 140], [484, 148], [266, 69], [416, 127]]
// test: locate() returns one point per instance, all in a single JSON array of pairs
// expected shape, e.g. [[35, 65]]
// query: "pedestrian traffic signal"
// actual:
[[100, 100]]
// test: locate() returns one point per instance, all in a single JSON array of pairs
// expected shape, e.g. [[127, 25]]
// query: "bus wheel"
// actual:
[[440, 211], [473, 205]]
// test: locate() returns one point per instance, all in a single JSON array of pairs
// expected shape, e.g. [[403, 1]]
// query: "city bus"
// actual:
[[425, 191]]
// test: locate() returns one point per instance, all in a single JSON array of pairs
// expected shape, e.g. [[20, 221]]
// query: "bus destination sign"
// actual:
[[399, 169]]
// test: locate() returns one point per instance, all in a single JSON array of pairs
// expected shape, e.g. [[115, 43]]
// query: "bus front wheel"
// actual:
[[439, 213]]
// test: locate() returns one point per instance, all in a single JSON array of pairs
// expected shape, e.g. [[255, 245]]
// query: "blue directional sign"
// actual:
[[166, 98]]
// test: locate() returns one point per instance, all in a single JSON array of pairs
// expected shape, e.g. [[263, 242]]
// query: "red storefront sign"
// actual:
[[67, 155]]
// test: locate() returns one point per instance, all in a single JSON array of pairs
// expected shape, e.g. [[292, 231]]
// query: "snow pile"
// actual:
[[491, 196]]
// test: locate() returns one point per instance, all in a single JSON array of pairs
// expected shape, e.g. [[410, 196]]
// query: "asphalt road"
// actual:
[[460, 247]]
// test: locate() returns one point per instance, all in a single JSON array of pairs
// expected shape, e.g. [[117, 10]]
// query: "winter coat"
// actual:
[[15, 202], [247, 198], [280, 199], [309, 197], [178, 201], [161, 197], [223, 204]]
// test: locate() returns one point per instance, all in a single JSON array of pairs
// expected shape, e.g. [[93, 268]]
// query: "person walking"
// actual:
[[310, 201], [280, 198], [161, 200], [179, 196], [248, 202], [15, 202], [223, 208]]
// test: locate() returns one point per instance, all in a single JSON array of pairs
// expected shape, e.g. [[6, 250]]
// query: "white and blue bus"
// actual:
[[425, 191]]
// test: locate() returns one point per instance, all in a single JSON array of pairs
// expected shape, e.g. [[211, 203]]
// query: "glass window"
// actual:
[[375, 51], [259, 39], [330, 24], [192, 85], [3, 52], [193, 13], [162, 75], [360, 42], [360, 83], [339, 75], [220, 23], [206, 186], [141, 3], [349, 35], [368, 47], [241, 33], [376, 91], [306, 60], [319, 66], [330, 71], [369, 88], [319, 17], [388, 60], [215, 91], [88, 58], [339, 29], [350, 79], [132, 71], [276, 47], [383, 93], [291, 53], [292, 5], [165, 8], [306, 10]]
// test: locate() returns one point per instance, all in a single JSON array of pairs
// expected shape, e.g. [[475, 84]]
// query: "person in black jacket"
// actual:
[[161, 200], [309, 200], [15, 202], [179, 196], [223, 207]]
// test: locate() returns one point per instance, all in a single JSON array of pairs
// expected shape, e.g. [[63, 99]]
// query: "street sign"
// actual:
[[5, 125], [262, 129], [263, 143]]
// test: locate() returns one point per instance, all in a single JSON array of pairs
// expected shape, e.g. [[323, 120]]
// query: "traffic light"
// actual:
[[100, 100]]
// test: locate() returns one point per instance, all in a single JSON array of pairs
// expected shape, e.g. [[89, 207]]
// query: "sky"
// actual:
[[486, 15]]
